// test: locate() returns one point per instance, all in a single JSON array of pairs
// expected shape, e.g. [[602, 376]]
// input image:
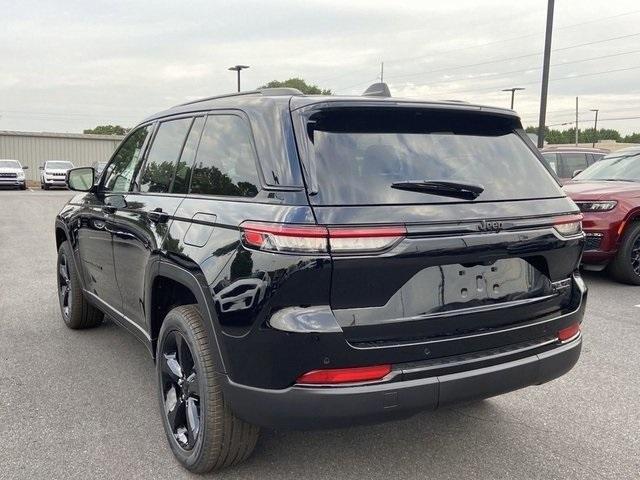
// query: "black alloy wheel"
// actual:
[[625, 267], [180, 390], [65, 292], [635, 256]]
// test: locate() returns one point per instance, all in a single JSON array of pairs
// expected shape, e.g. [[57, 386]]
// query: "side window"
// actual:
[[163, 155], [183, 170], [572, 162], [126, 162], [225, 163], [551, 160]]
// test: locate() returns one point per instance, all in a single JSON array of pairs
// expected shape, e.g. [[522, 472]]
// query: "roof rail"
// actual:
[[260, 91], [280, 91], [226, 95]]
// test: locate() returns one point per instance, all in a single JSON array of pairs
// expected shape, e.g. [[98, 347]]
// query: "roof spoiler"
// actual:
[[377, 90]]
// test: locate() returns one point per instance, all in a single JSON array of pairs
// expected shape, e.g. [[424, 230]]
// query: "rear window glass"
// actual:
[[356, 154]]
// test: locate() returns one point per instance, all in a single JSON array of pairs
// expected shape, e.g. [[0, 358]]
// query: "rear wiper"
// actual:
[[465, 191]]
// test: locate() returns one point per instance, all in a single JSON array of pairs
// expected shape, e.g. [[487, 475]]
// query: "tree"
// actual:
[[298, 83], [586, 135], [107, 130]]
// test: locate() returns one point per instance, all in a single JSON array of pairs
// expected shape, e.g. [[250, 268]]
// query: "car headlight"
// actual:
[[601, 206], [20, 175]]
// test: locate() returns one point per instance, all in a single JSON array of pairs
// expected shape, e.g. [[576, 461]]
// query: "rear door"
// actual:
[[417, 264], [141, 221]]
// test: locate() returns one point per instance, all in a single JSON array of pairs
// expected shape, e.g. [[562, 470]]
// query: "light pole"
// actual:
[[513, 93], [238, 68], [595, 127], [545, 73]]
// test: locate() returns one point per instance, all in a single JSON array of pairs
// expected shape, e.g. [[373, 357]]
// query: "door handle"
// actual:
[[157, 215], [109, 209]]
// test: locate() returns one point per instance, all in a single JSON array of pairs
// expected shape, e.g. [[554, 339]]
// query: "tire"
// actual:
[[45, 186], [217, 438], [23, 186], [625, 267], [76, 312]]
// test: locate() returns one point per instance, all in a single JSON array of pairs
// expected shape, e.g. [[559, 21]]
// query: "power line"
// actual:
[[532, 69], [486, 44], [533, 54], [516, 38], [494, 42], [68, 114], [553, 79]]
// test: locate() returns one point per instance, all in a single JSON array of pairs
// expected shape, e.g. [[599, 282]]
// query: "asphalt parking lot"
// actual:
[[82, 404]]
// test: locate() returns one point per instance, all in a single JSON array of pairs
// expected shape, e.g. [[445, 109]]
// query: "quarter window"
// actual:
[[163, 155], [225, 163], [126, 162]]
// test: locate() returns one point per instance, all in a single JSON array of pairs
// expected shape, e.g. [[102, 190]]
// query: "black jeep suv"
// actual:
[[316, 261]]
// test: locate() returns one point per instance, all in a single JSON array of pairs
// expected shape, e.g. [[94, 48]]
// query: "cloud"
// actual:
[[70, 64]]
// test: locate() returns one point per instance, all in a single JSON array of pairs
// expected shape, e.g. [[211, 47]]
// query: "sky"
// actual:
[[69, 65]]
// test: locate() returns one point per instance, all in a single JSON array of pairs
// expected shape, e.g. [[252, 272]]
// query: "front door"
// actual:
[[96, 228]]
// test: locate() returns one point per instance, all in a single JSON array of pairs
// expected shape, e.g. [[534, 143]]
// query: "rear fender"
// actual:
[[194, 280]]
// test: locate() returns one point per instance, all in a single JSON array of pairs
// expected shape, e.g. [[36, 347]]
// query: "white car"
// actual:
[[12, 174], [54, 173]]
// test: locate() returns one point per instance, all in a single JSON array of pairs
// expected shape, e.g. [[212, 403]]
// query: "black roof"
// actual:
[[284, 98]]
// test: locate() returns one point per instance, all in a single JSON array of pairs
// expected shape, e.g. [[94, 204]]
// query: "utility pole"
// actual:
[[238, 68], [595, 127], [576, 121], [513, 93], [381, 72], [545, 73]]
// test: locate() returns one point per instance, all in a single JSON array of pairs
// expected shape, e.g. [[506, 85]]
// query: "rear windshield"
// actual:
[[354, 155]]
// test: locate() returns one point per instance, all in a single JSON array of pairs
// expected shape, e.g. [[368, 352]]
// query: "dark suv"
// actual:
[[315, 261]]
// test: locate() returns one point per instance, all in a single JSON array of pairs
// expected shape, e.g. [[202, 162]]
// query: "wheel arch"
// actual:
[[632, 217], [63, 235], [173, 286]]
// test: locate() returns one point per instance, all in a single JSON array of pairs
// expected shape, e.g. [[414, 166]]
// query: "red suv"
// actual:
[[608, 194]]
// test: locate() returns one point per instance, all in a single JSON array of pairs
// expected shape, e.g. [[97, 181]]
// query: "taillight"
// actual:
[[568, 225], [569, 332], [347, 239], [345, 375], [273, 237]]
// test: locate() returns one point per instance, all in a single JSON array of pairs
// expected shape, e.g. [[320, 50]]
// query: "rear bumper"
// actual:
[[325, 407]]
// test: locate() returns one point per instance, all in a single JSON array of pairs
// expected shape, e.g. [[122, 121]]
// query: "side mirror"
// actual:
[[25, 168], [81, 179], [576, 172], [41, 167]]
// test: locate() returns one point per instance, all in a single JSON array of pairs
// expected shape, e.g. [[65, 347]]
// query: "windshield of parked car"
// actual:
[[9, 164], [359, 156], [59, 165], [615, 166]]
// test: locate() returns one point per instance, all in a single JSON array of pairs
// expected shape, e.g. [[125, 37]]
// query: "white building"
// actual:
[[32, 149]]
